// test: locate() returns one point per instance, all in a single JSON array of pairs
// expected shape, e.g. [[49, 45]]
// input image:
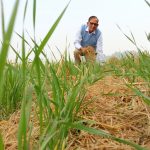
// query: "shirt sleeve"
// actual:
[[99, 49], [78, 38]]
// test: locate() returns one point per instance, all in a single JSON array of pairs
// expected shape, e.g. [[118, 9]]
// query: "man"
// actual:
[[89, 36]]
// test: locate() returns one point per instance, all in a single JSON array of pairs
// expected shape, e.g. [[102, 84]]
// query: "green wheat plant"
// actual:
[[53, 91]]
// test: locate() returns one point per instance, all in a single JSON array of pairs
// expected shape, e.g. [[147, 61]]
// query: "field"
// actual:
[[62, 106]]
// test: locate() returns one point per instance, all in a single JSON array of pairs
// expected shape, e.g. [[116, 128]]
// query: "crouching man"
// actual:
[[88, 42]]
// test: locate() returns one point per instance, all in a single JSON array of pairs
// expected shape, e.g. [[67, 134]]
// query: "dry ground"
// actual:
[[113, 107], [117, 110]]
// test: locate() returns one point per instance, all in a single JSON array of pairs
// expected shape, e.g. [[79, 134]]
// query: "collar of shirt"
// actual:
[[87, 29]]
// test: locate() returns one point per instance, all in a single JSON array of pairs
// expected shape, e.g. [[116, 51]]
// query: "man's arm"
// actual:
[[99, 49], [78, 38]]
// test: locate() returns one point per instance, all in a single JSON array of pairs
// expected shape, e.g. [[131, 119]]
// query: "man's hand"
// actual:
[[89, 53], [82, 49]]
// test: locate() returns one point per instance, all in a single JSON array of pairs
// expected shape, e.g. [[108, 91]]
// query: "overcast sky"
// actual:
[[130, 15]]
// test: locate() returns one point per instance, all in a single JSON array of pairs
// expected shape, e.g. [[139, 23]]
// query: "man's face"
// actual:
[[92, 24]]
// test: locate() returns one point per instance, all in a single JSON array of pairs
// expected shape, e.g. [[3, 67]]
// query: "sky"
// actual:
[[131, 15]]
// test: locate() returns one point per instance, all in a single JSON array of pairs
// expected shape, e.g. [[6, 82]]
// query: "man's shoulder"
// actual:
[[98, 30], [84, 26]]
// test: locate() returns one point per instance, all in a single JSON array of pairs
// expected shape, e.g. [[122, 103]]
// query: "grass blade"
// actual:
[[6, 41], [1, 143], [34, 14], [24, 119], [3, 20], [45, 40], [147, 3], [25, 10], [79, 126]]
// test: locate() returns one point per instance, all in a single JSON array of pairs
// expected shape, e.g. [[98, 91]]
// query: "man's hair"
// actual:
[[91, 17]]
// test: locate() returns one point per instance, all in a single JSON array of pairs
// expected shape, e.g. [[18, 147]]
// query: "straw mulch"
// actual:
[[118, 111], [113, 107], [9, 130]]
